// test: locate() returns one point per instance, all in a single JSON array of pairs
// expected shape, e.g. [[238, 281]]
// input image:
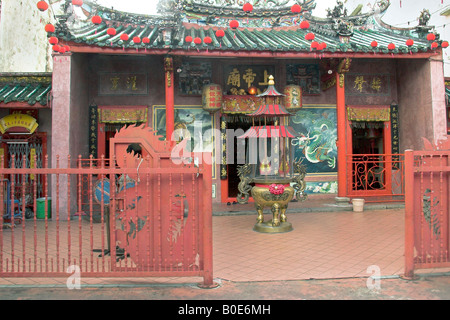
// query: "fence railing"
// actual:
[[156, 222], [427, 207], [376, 175]]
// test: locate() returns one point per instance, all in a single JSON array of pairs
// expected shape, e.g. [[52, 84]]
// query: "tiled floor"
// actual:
[[333, 244], [322, 245]]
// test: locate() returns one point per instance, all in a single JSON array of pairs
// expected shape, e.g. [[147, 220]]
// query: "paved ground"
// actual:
[[425, 287]]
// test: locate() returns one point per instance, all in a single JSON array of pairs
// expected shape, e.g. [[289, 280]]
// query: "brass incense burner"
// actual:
[[270, 174]]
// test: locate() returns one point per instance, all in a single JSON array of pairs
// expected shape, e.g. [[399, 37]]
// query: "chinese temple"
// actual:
[[363, 85]]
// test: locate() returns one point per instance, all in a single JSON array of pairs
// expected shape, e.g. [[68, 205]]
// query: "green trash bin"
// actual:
[[40, 208]]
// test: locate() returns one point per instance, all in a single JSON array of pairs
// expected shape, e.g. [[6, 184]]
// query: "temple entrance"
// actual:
[[237, 128], [370, 162]]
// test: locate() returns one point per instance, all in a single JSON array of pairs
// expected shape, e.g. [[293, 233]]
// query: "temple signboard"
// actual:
[[18, 120], [122, 84], [240, 78]]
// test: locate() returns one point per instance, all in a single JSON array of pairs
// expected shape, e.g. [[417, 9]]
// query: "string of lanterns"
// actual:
[[50, 28], [220, 33]]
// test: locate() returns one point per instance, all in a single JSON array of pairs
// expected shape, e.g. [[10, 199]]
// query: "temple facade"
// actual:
[[368, 91]]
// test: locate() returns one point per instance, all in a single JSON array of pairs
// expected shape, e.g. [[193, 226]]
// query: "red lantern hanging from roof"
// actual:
[[49, 28], [431, 37], [77, 2], [220, 33], [53, 40], [314, 44], [145, 40], [234, 24], [197, 40], [56, 48], [207, 40], [409, 42], [247, 7], [124, 37], [434, 45], [67, 48], [96, 20], [42, 6], [62, 49], [444, 44], [136, 40], [391, 46], [322, 46], [304, 24], [296, 8], [310, 36], [188, 39], [111, 31]]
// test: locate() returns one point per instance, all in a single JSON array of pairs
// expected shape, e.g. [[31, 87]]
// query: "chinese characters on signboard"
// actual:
[[367, 84], [307, 76], [394, 134], [192, 76], [122, 84], [93, 125], [240, 78]]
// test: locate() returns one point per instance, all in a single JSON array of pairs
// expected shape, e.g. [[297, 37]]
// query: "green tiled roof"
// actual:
[[276, 33], [28, 89], [274, 39]]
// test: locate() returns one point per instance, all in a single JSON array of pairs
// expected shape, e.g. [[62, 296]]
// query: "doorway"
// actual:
[[369, 159], [234, 155]]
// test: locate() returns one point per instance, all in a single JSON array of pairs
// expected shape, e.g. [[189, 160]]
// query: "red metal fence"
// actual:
[[152, 222], [377, 176], [427, 206]]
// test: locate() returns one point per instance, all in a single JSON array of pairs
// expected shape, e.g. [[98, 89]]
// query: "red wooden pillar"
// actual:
[[341, 125], [170, 108]]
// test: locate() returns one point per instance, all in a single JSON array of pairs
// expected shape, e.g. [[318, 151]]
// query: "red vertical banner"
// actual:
[[170, 108]]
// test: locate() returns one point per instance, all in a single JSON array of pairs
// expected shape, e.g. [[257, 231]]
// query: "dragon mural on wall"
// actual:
[[318, 137]]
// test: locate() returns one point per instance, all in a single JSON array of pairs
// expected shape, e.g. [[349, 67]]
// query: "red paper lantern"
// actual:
[[62, 49], [434, 45], [374, 44], [77, 2], [53, 40], [391, 46], [145, 40], [67, 48], [96, 20], [234, 24], [49, 28], [188, 39], [314, 44], [322, 46], [56, 48], [136, 40], [304, 24], [197, 40], [207, 40], [409, 42], [247, 7], [431, 37], [220, 33], [296, 8], [124, 37], [42, 5], [310, 36], [444, 44], [111, 31]]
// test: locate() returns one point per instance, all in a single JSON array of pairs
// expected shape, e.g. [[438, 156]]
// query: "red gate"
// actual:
[[155, 217], [427, 206]]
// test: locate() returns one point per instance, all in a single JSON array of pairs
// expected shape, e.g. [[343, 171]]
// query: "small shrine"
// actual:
[[270, 165]]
